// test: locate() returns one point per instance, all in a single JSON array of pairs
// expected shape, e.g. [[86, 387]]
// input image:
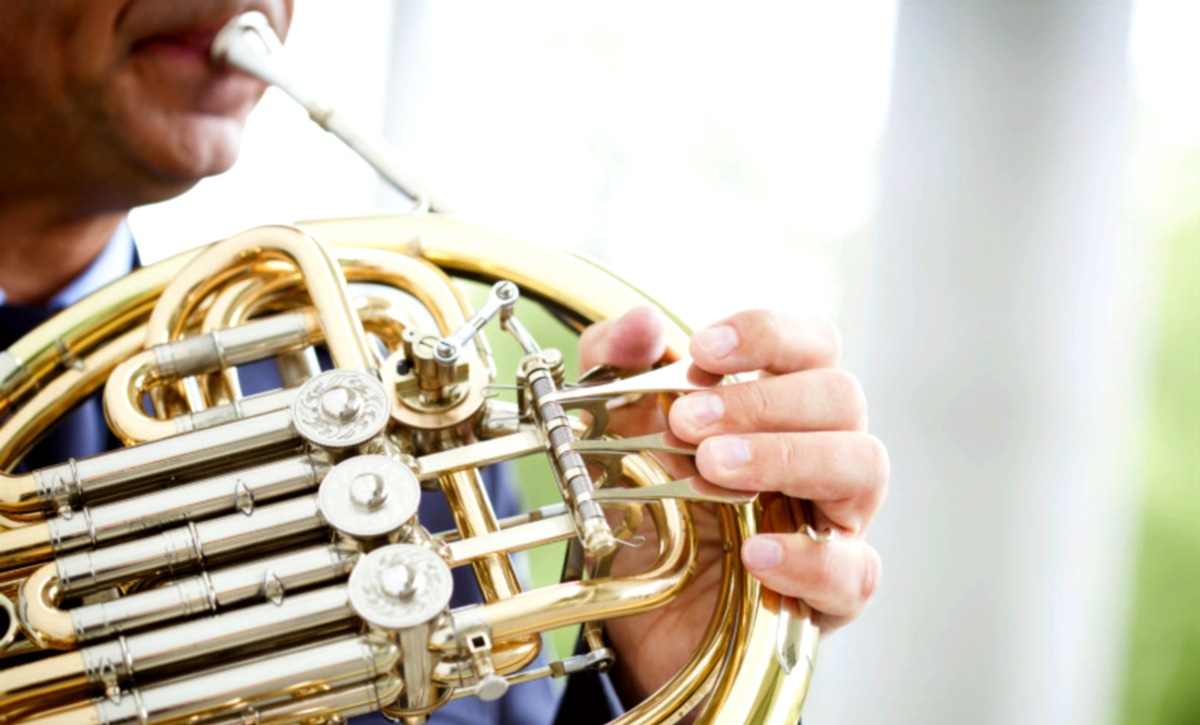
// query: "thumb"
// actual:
[[636, 339]]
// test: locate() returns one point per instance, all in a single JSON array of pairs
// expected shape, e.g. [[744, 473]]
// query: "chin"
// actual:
[[200, 146]]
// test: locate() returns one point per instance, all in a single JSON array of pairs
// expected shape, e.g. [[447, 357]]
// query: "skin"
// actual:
[[799, 429], [121, 88], [118, 107]]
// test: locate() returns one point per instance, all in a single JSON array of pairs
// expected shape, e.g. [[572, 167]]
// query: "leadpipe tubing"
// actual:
[[238, 491], [128, 470], [268, 578], [342, 329], [63, 392], [181, 549], [231, 306], [248, 43], [227, 347], [233, 346], [207, 696], [73, 333]]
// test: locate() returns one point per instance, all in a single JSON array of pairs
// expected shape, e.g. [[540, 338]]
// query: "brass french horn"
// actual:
[[259, 558]]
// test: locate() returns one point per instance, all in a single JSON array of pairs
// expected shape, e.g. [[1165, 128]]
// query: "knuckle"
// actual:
[[755, 405], [876, 460], [872, 573], [786, 456], [828, 338], [847, 393], [823, 571]]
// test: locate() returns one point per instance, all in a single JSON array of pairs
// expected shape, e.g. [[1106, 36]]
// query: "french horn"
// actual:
[[259, 558]]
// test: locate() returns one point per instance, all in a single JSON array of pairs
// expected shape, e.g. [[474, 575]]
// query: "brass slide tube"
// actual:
[[474, 516], [340, 324]]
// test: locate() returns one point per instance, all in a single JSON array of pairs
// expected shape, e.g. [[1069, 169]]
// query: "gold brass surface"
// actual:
[[202, 424]]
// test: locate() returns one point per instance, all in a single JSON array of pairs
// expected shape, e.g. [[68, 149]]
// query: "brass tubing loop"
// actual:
[[213, 527], [264, 558]]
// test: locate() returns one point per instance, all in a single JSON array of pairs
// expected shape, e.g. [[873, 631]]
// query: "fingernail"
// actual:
[[702, 410], [762, 552], [729, 452], [718, 341]]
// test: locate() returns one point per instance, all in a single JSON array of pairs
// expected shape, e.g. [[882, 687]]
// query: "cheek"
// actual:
[[181, 133]]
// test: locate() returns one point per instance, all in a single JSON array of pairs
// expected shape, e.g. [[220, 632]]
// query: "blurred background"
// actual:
[[999, 203]]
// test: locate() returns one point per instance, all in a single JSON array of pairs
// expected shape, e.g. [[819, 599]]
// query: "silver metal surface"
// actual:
[[348, 701], [515, 538], [179, 550], [128, 469], [341, 409], [232, 346], [138, 656], [693, 488], [501, 299], [674, 378], [213, 591], [240, 491], [368, 496], [483, 453], [569, 468], [654, 442], [399, 586], [339, 662]]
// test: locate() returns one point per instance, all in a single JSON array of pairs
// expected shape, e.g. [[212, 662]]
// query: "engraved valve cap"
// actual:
[[341, 409], [400, 586], [368, 496]]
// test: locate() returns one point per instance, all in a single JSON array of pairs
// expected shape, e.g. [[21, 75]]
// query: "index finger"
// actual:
[[767, 340]]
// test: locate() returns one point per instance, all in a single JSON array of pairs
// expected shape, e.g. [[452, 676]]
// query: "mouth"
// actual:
[[183, 33], [189, 45]]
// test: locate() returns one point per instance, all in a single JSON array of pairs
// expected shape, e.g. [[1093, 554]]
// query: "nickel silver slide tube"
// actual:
[[226, 493], [345, 660], [140, 657], [182, 549], [127, 470], [267, 579]]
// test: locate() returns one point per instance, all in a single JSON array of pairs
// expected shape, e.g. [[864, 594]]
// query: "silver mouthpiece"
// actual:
[[248, 44]]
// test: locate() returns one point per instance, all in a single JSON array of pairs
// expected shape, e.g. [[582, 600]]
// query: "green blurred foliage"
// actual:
[[1163, 684]]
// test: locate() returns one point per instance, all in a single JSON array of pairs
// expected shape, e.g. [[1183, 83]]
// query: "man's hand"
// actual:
[[798, 429]]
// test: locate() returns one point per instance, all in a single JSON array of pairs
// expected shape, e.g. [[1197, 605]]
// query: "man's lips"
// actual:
[[191, 44]]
